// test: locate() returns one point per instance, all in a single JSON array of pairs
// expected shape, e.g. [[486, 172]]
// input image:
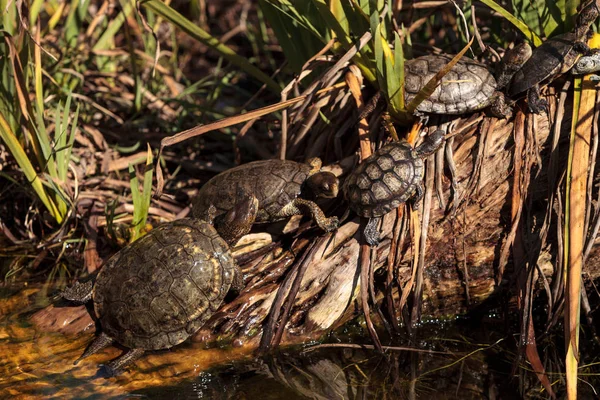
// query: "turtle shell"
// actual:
[[468, 86], [275, 183], [384, 180], [554, 56], [159, 290]]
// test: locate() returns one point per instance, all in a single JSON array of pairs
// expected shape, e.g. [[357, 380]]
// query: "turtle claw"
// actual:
[[371, 233], [539, 107], [331, 224]]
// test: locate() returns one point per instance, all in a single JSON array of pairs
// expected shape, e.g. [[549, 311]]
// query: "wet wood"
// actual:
[[463, 244]]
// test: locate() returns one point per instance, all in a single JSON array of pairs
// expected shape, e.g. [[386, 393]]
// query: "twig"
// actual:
[[371, 347]]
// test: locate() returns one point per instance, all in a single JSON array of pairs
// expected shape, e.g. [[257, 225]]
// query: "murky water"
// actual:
[[463, 361]]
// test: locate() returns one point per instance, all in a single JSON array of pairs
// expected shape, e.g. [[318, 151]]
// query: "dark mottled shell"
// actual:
[[384, 180], [275, 183], [554, 56], [156, 292], [468, 86]]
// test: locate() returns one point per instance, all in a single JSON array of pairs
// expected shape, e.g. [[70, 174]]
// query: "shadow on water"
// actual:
[[465, 359]]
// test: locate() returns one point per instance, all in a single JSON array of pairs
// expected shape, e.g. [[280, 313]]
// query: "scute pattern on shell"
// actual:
[[159, 290], [468, 86], [384, 180], [280, 183], [554, 56]]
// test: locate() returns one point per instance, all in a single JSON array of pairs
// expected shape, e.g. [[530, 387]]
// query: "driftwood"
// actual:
[[463, 250]]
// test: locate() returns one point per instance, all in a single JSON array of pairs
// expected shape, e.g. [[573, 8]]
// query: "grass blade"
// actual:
[[141, 201], [202, 36], [577, 176], [520, 25], [289, 23], [19, 154], [107, 37]]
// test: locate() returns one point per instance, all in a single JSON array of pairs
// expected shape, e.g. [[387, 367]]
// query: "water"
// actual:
[[473, 360]]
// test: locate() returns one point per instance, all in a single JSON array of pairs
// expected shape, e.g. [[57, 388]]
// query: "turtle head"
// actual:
[[323, 184], [431, 144], [512, 61]]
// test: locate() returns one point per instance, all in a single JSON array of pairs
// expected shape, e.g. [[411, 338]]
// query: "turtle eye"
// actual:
[[325, 186]]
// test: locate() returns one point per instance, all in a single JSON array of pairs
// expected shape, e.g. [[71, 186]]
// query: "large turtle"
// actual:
[[468, 86], [283, 188], [159, 290], [388, 178], [554, 57]]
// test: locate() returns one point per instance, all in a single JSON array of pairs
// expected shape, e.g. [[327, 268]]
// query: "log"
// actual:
[[463, 249]]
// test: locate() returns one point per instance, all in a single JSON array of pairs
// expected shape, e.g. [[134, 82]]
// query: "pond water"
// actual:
[[462, 360]]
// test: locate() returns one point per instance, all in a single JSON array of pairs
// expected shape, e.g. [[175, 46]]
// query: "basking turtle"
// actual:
[[554, 57], [283, 188], [159, 290], [468, 86], [387, 178]]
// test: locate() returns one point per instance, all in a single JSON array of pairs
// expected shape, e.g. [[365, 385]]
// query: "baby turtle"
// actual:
[[554, 57], [388, 178], [468, 86], [283, 188], [159, 290]]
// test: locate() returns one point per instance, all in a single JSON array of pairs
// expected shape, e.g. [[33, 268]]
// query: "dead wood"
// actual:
[[462, 257]]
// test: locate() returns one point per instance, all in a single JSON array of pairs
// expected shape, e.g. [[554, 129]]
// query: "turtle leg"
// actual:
[[101, 341], [238, 279], [536, 103], [500, 107], [315, 163], [419, 193], [238, 221], [307, 207], [583, 48], [371, 232], [78, 292], [115, 367]]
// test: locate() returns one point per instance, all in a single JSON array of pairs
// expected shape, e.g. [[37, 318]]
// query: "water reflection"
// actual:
[[345, 374], [473, 360]]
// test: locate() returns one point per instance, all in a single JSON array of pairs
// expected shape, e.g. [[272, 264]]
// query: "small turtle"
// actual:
[[389, 177], [159, 290], [554, 57], [283, 188], [468, 86]]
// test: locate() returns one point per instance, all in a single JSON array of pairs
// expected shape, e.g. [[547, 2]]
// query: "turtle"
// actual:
[[388, 178], [553, 58], [156, 292], [468, 86], [283, 188]]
